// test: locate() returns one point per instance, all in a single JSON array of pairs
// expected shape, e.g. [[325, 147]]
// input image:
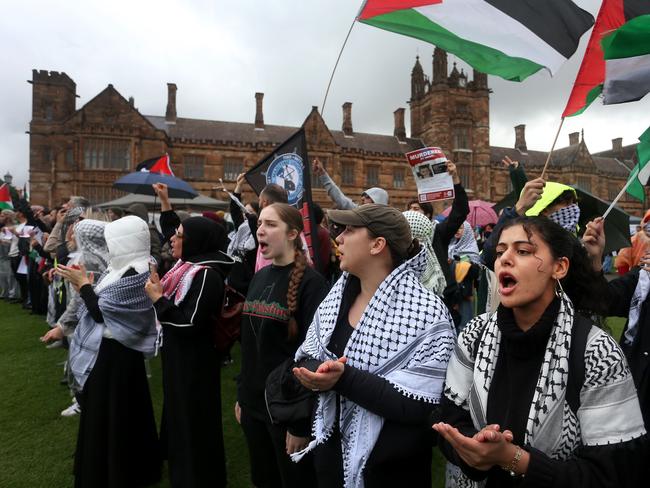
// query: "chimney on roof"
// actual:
[[347, 118], [617, 144], [520, 138], [132, 102], [574, 138], [259, 111], [400, 128], [170, 114]]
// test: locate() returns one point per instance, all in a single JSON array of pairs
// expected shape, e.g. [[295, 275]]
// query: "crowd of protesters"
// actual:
[[398, 334]]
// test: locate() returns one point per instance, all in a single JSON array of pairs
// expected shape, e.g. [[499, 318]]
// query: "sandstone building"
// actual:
[[83, 150]]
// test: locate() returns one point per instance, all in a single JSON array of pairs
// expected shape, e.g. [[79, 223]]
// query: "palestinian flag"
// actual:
[[627, 58], [5, 198], [613, 34], [641, 172], [160, 165], [510, 39]]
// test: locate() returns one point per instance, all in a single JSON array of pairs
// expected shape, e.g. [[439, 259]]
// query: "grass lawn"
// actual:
[[37, 444]]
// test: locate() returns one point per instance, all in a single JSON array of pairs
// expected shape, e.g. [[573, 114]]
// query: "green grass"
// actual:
[[37, 444]]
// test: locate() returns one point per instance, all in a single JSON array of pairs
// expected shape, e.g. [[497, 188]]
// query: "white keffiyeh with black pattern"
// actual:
[[609, 408], [405, 335], [422, 229]]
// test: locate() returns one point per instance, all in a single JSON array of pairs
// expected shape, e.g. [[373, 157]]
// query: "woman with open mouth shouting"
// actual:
[[280, 303], [535, 389]]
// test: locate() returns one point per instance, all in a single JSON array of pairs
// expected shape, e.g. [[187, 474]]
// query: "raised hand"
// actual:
[[317, 167], [453, 172], [509, 162], [241, 179], [530, 194], [594, 242]]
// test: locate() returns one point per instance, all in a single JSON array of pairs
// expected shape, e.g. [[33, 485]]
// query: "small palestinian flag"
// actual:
[[508, 38], [5, 198], [617, 59], [641, 172], [160, 165]]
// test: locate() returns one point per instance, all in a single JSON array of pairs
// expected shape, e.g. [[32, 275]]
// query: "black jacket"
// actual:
[[620, 292]]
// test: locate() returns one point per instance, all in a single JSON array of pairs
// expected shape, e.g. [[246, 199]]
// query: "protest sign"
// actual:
[[429, 166]]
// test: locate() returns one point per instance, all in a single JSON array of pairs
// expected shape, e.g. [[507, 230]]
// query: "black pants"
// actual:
[[271, 466]]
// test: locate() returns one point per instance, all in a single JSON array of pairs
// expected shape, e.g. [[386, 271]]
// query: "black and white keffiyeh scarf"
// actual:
[[567, 217], [241, 240], [405, 335], [465, 246], [129, 317], [609, 410], [638, 298], [91, 244], [422, 229]]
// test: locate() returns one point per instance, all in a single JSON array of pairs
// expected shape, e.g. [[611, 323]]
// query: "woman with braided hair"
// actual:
[[279, 307]]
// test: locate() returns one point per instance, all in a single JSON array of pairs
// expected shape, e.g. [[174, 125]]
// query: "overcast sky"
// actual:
[[220, 53]]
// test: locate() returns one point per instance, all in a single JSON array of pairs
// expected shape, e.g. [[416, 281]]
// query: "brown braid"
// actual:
[[298, 271]]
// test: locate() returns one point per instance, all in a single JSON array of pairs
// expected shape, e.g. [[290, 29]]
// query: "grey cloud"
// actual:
[[220, 53]]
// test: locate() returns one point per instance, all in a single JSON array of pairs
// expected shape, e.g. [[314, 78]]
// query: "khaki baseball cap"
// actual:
[[382, 220]]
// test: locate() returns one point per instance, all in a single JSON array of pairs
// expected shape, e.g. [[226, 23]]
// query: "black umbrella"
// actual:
[[617, 223], [140, 182]]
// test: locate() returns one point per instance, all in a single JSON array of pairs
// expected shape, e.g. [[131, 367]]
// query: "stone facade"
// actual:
[[84, 150]]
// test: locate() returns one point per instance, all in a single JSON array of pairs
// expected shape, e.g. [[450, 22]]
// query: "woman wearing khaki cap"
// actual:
[[384, 342]]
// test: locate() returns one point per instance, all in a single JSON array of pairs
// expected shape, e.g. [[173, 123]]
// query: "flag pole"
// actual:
[[552, 147], [618, 197], [322, 110]]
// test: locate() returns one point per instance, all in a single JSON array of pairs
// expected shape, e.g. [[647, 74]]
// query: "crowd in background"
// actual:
[[398, 333]]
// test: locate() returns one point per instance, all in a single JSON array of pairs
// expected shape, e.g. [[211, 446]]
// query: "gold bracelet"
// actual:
[[513, 464]]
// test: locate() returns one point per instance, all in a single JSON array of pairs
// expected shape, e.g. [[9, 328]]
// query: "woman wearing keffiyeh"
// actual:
[[117, 445], [536, 395], [384, 342]]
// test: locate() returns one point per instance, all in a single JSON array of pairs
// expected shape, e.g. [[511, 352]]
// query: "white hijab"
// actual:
[[129, 246]]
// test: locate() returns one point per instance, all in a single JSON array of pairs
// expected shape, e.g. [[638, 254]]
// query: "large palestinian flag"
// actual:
[[619, 52], [5, 197], [507, 38]]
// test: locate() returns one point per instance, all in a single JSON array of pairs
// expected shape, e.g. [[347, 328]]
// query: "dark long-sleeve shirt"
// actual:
[[511, 391], [445, 230], [402, 454], [265, 342]]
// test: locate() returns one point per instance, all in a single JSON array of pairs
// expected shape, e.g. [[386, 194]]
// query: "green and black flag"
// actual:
[[288, 166]]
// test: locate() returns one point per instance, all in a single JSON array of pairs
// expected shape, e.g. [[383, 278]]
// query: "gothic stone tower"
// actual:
[[453, 113]]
